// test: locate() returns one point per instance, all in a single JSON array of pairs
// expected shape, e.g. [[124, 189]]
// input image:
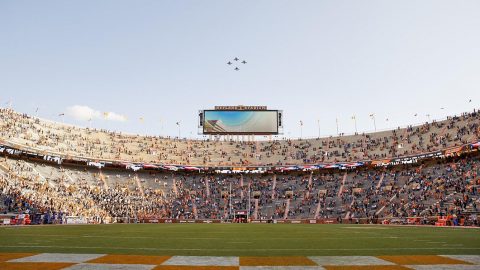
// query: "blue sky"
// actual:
[[316, 60]]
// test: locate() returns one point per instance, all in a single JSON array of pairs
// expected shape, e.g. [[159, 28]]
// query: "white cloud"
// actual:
[[85, 113], [116, 117]]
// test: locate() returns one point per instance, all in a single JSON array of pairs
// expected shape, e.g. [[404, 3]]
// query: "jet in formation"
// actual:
[[236, 59]]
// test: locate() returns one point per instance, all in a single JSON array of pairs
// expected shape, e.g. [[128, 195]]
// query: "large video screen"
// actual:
[[240, 122]]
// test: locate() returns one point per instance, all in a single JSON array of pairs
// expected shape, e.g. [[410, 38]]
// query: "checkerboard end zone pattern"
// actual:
[[53, 261]]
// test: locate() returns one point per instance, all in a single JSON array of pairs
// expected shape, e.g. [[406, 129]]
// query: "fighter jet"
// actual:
[[237, 69], [236, 59], [229, 63], [244, 62]]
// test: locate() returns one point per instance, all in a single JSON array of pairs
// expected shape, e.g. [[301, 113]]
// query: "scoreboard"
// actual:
[[240, 120]]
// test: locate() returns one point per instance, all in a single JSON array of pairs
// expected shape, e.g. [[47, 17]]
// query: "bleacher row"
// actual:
[[46, 136], [447, 187]]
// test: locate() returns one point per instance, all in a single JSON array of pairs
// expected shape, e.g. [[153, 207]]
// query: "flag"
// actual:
[[372, 115], [177, 123], [62, 114]]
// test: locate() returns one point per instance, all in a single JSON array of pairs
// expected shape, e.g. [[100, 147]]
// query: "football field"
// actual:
[[238, 247], [241, 239]]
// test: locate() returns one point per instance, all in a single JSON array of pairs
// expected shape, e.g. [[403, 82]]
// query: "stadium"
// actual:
[[82, 188], [420, 175]]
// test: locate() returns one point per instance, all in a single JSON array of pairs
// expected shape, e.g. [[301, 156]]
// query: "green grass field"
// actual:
[[240, 239]]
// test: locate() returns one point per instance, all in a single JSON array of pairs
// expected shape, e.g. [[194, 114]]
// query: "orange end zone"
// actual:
[[186, 267], [366, 267], [421, 260]]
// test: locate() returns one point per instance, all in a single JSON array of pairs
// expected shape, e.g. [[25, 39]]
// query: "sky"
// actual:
[[151, 64]]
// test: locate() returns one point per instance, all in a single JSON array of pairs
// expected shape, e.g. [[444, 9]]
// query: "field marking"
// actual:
[[296, 238], [203, 261], [167, 226], [349, 260], [363, 228], [237, 249], [120, 237]]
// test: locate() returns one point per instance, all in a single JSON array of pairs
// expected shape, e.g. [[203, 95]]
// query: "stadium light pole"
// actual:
[[374, 123], [318, 123], [355, 121], [336, 119], [178, 124], [301, 129]]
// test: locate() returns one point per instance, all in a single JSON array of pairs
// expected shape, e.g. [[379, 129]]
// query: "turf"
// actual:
[[240, 239]]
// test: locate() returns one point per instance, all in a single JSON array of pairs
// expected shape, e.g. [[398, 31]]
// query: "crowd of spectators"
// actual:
[[25, 131], [440, 187]]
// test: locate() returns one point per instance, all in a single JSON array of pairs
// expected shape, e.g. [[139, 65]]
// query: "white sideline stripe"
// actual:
[[241, 249], [131, 237], [221, 238], [203, 261]]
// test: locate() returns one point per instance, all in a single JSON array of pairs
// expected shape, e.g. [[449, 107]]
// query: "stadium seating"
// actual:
[[51, 137], [435, 189], [53, 193]]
